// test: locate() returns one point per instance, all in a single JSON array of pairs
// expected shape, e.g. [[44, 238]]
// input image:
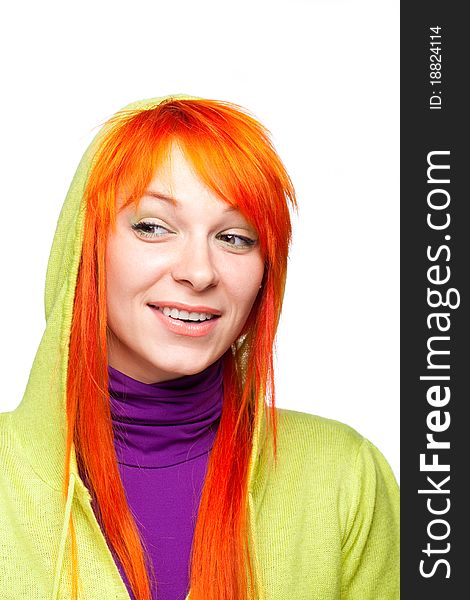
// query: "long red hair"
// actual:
[[234, 156]]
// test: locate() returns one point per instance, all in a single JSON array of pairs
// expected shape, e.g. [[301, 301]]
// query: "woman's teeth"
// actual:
[[184, 315]]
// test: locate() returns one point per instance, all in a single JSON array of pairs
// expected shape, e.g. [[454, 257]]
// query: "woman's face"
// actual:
[[196, 255]]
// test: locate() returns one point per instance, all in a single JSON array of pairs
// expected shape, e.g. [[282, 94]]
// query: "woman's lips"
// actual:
[[194, 329]]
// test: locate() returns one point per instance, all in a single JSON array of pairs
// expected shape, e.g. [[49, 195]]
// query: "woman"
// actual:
[[151, 398]]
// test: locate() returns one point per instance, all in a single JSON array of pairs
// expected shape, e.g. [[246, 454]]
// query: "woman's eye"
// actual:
[[239, 241], [149, 229]]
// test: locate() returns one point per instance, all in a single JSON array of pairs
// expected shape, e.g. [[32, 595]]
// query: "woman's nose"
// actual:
[[194, 265]]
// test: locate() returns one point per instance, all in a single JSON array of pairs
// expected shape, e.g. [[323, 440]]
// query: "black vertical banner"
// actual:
[[435, 301]]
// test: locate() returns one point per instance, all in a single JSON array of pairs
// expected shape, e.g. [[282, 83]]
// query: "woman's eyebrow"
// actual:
[[161, 196], [173, 201]]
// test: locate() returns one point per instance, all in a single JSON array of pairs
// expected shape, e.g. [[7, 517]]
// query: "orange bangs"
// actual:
[[229, 150]]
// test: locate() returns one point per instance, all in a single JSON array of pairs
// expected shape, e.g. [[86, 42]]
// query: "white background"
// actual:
[[321, 75]]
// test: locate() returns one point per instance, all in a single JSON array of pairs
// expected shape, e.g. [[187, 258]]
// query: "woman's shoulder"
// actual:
[[317, 433], [327, 450], [336, 491]]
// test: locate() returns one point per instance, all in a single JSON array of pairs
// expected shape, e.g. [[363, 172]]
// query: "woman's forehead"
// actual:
[[176, 183]]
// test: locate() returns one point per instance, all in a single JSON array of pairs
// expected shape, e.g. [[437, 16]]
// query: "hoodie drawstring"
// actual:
[[63, 538]]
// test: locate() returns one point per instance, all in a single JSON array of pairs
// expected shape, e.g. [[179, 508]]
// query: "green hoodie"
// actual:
[[325, 522]]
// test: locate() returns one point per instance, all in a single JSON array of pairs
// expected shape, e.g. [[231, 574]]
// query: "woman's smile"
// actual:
[[185, 326]]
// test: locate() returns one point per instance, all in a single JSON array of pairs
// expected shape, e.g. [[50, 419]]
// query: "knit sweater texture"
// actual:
[[324, 520]]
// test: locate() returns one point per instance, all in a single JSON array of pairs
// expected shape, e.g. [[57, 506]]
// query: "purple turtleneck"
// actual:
[[163, 435]]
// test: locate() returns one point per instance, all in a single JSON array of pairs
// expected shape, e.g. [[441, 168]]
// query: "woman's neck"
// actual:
[[163, 424]]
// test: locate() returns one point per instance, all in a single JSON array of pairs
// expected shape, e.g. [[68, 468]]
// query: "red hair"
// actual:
[[233, 155]]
